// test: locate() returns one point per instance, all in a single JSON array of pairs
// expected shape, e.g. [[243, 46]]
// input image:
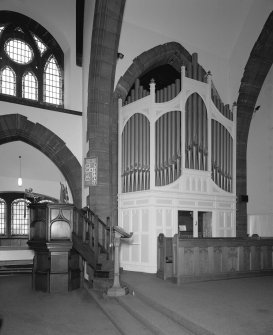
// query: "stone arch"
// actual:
[[171, 53], [16, 127], [256, 70]]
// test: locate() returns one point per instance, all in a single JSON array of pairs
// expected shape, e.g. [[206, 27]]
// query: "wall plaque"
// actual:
[[91, 171]]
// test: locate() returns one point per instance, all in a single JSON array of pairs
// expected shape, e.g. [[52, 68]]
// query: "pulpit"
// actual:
[[51, 238]]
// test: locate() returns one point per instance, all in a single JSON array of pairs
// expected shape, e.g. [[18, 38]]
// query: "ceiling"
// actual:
[[223, 20]]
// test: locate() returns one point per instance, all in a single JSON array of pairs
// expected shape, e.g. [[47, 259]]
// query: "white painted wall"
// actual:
[[59, 18], [221, 32], [38, 172]]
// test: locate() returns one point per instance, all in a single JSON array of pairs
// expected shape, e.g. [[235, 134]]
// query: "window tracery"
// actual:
[[31, 61]]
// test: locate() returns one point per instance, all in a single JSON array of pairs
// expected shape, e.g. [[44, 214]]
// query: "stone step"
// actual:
[[101, 284], [151, 317], [186, 325], [123, 320]]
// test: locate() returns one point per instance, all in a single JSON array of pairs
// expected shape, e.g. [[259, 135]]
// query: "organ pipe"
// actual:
[[136, 140], [196, 133], [136, 154], [168, 148], [221, 156]]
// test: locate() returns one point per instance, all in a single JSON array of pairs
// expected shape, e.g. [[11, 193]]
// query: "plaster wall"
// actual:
[[37, 171], [59, 18]]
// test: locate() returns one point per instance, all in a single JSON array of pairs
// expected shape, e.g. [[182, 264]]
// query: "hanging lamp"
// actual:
[[20, 180]]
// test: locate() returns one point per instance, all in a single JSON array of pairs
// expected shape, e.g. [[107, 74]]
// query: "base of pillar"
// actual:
[[116, 291]]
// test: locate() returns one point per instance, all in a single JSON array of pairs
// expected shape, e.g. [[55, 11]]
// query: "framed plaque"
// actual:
[[91, 171]]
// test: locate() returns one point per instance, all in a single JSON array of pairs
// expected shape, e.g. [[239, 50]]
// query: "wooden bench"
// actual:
[[15, 260]]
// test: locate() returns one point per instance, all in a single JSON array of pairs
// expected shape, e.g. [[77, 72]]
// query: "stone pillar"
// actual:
[[101, 109]]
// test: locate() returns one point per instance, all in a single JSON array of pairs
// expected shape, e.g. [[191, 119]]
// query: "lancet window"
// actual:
[[20, 217], [3, 214]]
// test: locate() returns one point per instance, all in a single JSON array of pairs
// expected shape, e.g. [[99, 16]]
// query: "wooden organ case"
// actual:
[[55, 263], [177, 150]]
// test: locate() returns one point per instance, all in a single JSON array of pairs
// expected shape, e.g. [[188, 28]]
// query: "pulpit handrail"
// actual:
[[93, 232]]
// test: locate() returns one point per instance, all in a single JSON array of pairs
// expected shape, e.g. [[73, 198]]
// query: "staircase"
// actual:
[[92, 239]]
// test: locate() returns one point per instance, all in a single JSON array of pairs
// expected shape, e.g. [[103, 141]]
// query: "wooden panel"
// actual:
[[266, 257], [188, 261], [203, 260], [58, 283], [59, 262], [217, 260], [255, 258], [221, 258]]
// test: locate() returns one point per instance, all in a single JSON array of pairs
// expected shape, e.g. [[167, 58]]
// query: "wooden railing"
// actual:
[[91, 236]]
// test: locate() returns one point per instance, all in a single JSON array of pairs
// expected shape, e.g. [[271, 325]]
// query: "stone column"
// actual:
[[101, 103]]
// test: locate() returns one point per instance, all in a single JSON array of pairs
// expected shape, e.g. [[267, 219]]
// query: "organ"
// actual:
[[177, 149]]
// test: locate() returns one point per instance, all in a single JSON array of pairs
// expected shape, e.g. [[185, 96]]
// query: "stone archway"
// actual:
[[171, 53], [16, 127], [256, 70]]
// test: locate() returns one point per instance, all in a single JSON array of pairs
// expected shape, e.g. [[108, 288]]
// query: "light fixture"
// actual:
[[120, 55], [20, 181]]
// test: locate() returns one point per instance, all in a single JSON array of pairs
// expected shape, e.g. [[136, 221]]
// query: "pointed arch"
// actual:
[[256, 70], [171, 53], [16, 127], [26, 46]]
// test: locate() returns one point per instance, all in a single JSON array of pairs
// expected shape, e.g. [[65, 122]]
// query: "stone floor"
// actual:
[[224, 307], [27, 312]]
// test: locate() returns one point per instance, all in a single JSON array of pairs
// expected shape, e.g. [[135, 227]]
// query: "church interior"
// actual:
[[136, 138]]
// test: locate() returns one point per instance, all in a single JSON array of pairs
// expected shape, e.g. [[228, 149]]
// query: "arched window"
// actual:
[[8, 81], [20, 217], [31, 62], [29, 86], [3, 219], [52, 82]]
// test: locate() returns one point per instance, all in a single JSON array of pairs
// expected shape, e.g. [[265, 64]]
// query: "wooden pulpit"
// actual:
[[50, 237]]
